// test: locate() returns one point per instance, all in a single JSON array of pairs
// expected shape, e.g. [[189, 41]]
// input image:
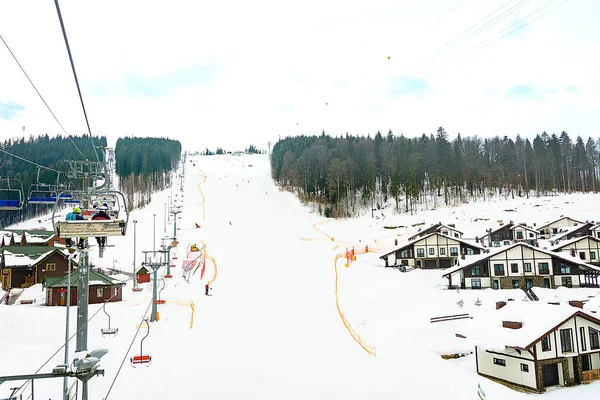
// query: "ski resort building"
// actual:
[[509, 234], [447, 230], [434, 250], [587, 248], [584, 229], [32, 237], [101, 289], [554, 228], [522, 266], [536, 345], [24, 266]]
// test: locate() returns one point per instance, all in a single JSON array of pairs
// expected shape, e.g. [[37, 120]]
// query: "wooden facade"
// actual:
[[24, 266], [101, 289]]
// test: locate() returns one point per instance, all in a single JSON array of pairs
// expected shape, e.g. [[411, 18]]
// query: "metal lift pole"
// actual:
[[82, 302], [154, 284], [66, 380]]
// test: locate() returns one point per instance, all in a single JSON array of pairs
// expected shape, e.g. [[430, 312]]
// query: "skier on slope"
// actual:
[[206, 288]]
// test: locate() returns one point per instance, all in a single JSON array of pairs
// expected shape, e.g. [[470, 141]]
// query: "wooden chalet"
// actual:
[[522, 266], [431, 251], [553, 228], [535, 345], [510, 233], [587, 248], [101, 288], [24, 266], [448, 230]]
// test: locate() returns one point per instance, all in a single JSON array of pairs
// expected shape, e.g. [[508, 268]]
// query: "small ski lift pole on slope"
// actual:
[[142, 358], [109, 330]]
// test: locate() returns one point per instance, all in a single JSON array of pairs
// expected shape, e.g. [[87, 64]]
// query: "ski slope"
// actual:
[[271, 329]]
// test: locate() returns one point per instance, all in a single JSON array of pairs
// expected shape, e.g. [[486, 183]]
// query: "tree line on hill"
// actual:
[[347, 174], [51, 152], [252, 149], [144, 166]]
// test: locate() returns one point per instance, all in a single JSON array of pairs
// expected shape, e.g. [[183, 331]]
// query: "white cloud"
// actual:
[[233, 73]]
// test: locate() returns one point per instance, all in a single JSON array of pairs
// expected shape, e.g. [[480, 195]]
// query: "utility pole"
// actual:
[[154, 230], [135, 285]]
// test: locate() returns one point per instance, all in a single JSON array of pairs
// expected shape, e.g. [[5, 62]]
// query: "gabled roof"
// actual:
[[27, 256], [32, 235], [472, 260], [570, 230], [558, 219], [512, 226], [539, 319], [433, 228], [429, 235], [527, 228], [95, 279], [566, 243]]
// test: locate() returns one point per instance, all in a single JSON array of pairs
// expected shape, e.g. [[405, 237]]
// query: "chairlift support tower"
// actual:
[[154, 259]]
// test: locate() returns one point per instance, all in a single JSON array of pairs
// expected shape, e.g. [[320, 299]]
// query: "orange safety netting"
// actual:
[[202, 194]]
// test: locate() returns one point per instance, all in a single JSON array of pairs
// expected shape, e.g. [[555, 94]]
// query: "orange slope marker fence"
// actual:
[[201, 193], [193, 306], [323, 232], [372, 350]]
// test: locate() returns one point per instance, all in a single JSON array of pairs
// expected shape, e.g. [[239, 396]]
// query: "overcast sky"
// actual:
[[234, 73]]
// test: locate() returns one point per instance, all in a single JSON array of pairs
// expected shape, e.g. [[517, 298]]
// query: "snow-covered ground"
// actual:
[[272, 330]]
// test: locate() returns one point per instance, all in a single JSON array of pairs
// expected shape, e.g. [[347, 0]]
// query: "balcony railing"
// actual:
[[591, 375]]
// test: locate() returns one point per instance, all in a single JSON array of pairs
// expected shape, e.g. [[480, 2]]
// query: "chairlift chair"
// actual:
[[142, 358], [87, 228], [159, 300], [109, 330], [11, 194]]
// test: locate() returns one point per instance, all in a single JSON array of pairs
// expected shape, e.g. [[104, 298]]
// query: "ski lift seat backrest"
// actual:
[[84, 228], [11, 194]]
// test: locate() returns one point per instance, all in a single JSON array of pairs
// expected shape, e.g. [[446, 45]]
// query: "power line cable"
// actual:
[[24, 385], [418, 81], [39, 94], [62, 25], [127, 352], [31, 162]]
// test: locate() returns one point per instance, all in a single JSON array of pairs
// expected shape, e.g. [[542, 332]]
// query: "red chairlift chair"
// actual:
[[142, 358]]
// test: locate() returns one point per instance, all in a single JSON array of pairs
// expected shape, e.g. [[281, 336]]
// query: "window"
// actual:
[[582, 335], [453, 251], [431, 251], [520, 236], [594, 340], [582, 255], [566, 344], [527, 267], [404, 254], [524, 367], [420, 252], [51, 267], [565, 269], [531, 234], [554, 231], [506, 236], [496, 244], [470, 251], [506, 243], [514, 268], [543, 267], [116, 291], [442, 251], [515, 283], [445, 233], [592, 255], [456, 235], [567, 281], [476, 283], [500, 362], [546, 344], [476, 270], [100, 292], [499, 269], [496, 237]]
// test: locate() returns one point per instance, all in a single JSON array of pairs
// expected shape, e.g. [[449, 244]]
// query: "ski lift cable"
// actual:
[[128, 350], [26, 383], [39, 94], [62, 25], [523, 20], [457, 37], [32, 162]]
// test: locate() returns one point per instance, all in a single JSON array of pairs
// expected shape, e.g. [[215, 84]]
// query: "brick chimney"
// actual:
[[512, 324]]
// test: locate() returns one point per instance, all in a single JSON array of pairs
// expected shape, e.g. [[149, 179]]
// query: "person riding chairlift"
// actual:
[[101, 215], [75, 215]]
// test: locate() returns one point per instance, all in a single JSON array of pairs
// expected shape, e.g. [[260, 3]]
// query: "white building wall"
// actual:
[[485, 282], [595, 360], [511, 372]]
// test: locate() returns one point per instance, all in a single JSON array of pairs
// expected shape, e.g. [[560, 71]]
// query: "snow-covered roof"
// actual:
[[34, 236], [527, 228], [25, 256], [429, 235], [472, 260], [433, 228], [537, 318], [564, 232], [565, 243], [559, 219]]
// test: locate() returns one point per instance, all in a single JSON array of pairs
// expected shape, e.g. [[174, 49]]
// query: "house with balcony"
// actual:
[[587, 248], [434, 250], [510, 233], [553, 228], [447, 230], [536, 345], [522, 266]]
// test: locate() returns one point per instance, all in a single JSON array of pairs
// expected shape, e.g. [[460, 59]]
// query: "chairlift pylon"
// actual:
[[11, 195], [109, 330], [142, 358]]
